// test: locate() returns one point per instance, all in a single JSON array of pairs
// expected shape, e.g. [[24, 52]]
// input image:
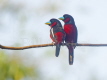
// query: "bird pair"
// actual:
[[68, 34]]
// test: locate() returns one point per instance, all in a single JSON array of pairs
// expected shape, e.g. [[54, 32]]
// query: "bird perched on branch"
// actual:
[[57, 34], [71, 34]]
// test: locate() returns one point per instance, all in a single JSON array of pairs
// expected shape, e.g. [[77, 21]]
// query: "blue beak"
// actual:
[[61, 18], [48, 23]]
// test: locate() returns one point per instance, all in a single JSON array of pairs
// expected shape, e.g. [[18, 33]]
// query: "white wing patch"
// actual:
[[52, 33]]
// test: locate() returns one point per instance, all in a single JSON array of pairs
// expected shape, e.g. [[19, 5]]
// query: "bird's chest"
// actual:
[[53, 31], [69, 29], [52, 34]]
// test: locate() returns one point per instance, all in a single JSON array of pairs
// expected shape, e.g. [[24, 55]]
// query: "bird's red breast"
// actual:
[[70, 31], [57, 37]]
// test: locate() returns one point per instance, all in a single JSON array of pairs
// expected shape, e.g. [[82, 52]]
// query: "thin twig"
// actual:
[[46, 45]]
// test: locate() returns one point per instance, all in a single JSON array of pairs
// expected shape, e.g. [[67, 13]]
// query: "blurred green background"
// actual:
[[22, 24]]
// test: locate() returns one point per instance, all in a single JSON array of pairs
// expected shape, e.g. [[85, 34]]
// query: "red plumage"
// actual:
[[59, 37], [71, 34], [57, 34]]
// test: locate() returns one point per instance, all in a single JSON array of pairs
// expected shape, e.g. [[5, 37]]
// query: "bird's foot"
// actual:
[[53, 43]]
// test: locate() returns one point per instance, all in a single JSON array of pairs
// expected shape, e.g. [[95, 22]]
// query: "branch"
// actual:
[[46, 45]]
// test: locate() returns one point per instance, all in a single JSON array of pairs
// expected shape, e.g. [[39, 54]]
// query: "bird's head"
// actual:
[[54, 22], [68, 19]]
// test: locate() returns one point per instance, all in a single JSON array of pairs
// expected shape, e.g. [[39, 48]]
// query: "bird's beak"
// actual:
[[48, 23], [61, 18]]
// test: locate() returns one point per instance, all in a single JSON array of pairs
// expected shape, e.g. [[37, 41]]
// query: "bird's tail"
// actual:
[[71, 55], [57, 49]]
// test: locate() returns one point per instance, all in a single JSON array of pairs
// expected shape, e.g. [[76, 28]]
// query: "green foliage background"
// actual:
[[13, 68]]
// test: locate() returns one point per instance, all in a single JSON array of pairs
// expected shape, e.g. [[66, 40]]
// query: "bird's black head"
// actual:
[[68, 19], [54, 22]]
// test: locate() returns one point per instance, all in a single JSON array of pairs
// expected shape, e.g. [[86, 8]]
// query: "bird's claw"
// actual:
[[53, 43]]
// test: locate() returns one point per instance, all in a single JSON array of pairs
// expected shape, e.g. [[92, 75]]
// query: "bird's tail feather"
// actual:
[[57, 50], [71, 55]]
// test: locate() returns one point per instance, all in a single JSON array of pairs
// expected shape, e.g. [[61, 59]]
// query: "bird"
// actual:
[[57, 33], [71, 34]]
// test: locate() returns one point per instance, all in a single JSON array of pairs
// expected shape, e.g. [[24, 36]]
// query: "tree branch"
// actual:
[[46, 45]]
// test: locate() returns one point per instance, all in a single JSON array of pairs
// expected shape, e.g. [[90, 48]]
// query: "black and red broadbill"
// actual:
[[71, 34], [57, 34]]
